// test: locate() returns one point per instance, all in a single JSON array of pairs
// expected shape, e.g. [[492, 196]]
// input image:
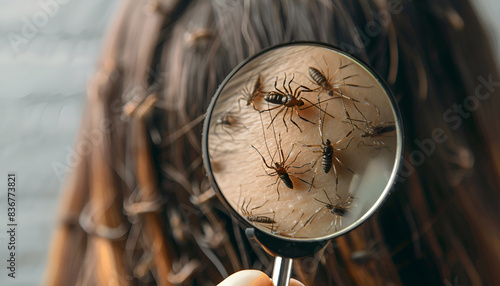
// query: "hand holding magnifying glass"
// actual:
[[302, 142]]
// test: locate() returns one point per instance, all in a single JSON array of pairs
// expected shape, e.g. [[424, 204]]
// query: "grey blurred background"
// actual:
[[44, 70], [43, 78]]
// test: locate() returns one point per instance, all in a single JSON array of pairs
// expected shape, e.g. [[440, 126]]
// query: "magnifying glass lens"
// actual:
[[303, 141]]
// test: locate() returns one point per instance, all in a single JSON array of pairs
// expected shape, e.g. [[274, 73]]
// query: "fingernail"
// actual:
[[247, 278]]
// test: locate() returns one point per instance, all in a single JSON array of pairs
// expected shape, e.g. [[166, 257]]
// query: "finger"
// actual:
[[247, 278], [294, 282]]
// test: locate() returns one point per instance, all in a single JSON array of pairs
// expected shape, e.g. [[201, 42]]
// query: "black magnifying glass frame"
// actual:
[[285, 246]]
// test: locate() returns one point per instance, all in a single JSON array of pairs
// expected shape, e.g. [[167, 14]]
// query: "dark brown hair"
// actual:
[[138, 208]]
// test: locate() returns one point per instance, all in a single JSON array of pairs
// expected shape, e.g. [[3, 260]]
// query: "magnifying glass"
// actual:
[[302, 143]]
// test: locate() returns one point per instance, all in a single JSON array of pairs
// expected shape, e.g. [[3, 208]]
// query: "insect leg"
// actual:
[[257, 207], [311, 146], [304, 181], [277, 181], [274, 117], [278, 186], [291, 119], [297, 111], [298, 167], [269, 109], [276, 85], [345, 137], [327, 74], [262, 157], [278, 226], [272, 174], [308, 221], [284, 121], [298, 220], [378, 114], [289, 153], [345, 110], [289, 84], [375, 144], [314, 175], [331, 224], [319, 108], [336, 176], [365, 120]]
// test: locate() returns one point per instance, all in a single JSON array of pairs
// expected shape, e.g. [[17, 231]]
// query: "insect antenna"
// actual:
[[364, 117], [265, 138], [279, 148]]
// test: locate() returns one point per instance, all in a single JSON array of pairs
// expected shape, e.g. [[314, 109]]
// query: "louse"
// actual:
[[222, 122], [373, 129], [227, 121], [328, 149], [339, 209], [326, 83], [332, 86], [248, 214], [249, 96], [255, 218], [287, 99], [280, 167]]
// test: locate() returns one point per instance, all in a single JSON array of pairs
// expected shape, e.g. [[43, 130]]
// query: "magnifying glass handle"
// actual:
[[282, 271]]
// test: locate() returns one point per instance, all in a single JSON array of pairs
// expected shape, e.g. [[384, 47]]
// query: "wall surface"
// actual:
[[489, 10], [47, 55]]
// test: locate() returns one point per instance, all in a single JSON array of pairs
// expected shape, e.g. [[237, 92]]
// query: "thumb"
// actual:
[[247, 278]]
